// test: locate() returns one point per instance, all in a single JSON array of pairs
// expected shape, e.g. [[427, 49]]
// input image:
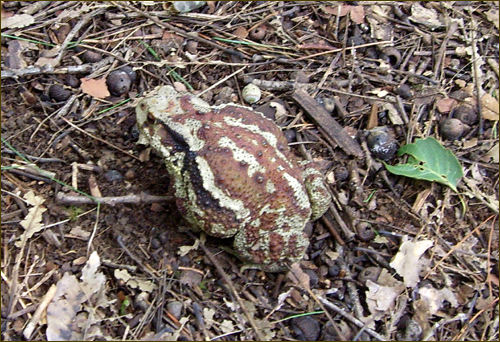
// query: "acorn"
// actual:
[[258, 33], [251, 93], [59, 93], [381, 143], [72, 81], [90, 56], [451, 128], [119, 81], [370, 273], [404, 91], [466, 114]]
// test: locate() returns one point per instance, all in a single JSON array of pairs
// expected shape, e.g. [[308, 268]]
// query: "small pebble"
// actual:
[[113, 176], [327, 103], [72, 81], [404, 91], [155, 243], [251, 93], [370, 273], [163, 238], [175, 308], [130, 174], [341, 173], [334, 271]]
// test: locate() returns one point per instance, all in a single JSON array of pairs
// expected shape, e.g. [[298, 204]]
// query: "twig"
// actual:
[[132, 256], [385, 42], [222, 81], [323, 119], [63, 198], [189, 35], [442, 51], [39, 311], [99, 139], [477, 74], [48, 69], [351, 318], [75, 30], [231, 287]]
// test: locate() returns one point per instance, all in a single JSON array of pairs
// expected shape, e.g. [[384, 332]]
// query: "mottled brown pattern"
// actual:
[[233, 174]]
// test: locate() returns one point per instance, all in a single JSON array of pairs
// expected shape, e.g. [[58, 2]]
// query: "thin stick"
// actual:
[[221, 81]]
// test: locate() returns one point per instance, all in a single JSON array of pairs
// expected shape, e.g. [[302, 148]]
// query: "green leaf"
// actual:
[[429, 160]]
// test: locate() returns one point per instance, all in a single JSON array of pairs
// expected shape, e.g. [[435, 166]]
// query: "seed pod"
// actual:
[[404, 91], [59, 93], [466, 114], [381, 143], [72, 81], [370, 273], [451, 128], [130, 72], [251, 93], [118, 82], [258, 33], [91, 56]]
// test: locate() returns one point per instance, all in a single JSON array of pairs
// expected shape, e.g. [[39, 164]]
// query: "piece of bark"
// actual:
[[323, 119]]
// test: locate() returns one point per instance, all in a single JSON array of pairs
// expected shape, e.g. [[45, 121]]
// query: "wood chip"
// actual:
[[323, 119]]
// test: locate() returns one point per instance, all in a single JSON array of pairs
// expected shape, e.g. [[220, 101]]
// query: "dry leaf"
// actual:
[[17, 21], [493, 154], [208, 316], [490, 107], [42, 61], [183, 250], [62, 322], [445, 106], [299, 277], [358, 14], [71, 13], [435, 298], [32, 223], [492, 15], [143, 285], [337, 10], [95, 88], [406, 262], [381, 299], [191, 278], [425, 16]]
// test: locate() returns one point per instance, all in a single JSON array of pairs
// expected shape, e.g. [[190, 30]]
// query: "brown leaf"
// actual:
[[490, 107], [344, 9], [95, 88], [445, 105], [358, 14]]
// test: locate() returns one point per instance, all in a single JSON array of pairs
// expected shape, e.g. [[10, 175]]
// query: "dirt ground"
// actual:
[[394, 258]]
